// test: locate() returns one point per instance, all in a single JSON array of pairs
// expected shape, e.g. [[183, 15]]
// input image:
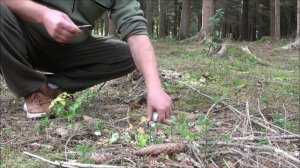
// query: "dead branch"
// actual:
[[70, 164], [223, 51], [246, 50], [41, 145], [272, 138], [295, 44], [255, 147], [275, 126]]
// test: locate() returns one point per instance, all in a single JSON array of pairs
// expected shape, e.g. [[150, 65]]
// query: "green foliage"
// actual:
[[42, 124], [7, 132], [258, 127], [225, 137], [264, 99], [99, 125], [279, 120], [114, 138], [204, 122], [262, 140], [215, 25], [184, 129], [64, 105], [84, 150], [142, 140]]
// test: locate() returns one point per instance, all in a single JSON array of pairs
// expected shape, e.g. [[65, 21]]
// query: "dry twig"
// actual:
[[70, 164]]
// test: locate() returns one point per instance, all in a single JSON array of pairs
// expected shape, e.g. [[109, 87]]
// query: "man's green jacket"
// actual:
[[125, 14]]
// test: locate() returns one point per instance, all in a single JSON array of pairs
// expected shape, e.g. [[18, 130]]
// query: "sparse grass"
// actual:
[[236, 80]]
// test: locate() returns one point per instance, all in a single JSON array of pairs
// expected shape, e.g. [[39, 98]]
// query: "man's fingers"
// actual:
[[63, 36], [162, 116], [149, 113], [71, 27], [168, 113]]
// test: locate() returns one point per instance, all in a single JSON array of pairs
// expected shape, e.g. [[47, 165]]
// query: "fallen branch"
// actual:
[[70, 164], [255, 147], [294, 44], [272, 138], [246, 50], [223, 51]]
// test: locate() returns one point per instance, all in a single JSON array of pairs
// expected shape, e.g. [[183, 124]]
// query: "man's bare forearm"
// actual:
[[27, 9], [144, 57]]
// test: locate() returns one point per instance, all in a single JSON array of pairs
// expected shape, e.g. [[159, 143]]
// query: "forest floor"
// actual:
[[239, 110]]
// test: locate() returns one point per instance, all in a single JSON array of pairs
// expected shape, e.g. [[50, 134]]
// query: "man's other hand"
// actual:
[[59, 26]]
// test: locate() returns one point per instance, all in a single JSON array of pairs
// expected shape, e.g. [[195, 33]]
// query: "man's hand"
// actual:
[[144, 58], [159, 101], [59, 26]]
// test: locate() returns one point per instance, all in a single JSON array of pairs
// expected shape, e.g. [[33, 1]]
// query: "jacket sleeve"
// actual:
[[128, 18]]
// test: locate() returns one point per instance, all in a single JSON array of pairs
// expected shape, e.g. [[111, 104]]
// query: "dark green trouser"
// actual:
[[75, 66]]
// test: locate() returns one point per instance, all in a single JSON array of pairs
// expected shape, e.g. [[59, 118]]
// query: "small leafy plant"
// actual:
[[184, 129], [141, 138], [42, 124], [65, 107], [84, 150]]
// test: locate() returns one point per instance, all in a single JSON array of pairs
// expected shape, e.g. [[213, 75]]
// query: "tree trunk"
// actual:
[[272, 18], [277, 20], [298, 19], [185, 16], [245, 20], [162, 19], [148, 16], [207, 12], [111, 29], [176, 17], [106, 24]]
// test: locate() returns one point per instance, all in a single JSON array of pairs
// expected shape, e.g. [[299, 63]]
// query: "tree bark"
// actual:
[[185, 17], [277, 20], [245, 20], [162, 19], [176, 17], [298, 19], [272, 18], [111, 29], [149, 17], [207, 12]]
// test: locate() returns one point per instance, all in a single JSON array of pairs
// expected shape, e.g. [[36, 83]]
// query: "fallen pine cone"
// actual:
[[168, 148], [100, 158]]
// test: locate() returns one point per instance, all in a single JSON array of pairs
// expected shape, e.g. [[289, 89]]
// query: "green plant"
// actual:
[[99, 125], [215, 26], [225, 137], [65, 107], [262, 140], [141, 138], [279, 120], [184, 129], [84, 150], [215, 30], [7, 132], [42, 124], [114, 138], [205, 122], [258, 127]]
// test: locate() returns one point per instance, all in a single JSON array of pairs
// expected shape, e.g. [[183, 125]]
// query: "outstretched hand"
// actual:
[[59, 26], [159, 101]]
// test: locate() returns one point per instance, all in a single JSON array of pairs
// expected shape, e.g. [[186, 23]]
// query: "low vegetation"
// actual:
[[235, 110]]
